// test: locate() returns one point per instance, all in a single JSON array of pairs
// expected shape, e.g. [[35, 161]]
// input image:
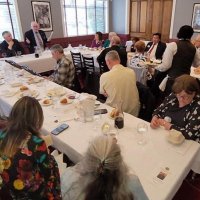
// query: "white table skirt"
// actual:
[[45, 62], [145, 160]]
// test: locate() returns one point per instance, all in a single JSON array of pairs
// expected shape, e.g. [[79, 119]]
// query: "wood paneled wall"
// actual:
[[150, 16]]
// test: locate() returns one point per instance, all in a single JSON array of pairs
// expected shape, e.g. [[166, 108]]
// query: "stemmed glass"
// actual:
[[142, 130], [19, 53], [4, 55]]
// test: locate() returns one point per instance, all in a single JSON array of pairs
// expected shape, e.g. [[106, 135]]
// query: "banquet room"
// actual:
[[100, 99]]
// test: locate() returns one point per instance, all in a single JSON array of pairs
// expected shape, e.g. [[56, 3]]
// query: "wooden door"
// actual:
[[150, 16]]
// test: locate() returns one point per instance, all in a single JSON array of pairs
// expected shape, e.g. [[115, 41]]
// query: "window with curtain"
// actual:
[[83, 17], [8, 19]]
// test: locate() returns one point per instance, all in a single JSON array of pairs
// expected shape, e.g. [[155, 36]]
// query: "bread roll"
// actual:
[[23, 88]]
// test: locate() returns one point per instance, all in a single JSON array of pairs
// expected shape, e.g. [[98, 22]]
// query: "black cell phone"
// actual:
[[100, 111], [59, 129]]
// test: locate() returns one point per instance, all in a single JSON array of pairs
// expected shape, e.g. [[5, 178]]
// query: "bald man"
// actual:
[[35, 37], [115, 45]]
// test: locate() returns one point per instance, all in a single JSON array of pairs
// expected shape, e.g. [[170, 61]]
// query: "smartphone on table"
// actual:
[[59, 129], [100, 111]]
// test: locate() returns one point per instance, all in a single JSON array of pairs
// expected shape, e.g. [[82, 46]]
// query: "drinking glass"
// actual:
[[19, 53], [97, 122], [142, 130], [113, 132], [4, 55]]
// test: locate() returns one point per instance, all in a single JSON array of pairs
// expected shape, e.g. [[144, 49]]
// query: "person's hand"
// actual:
[[155, 122], [10, 44], [165, 124], [28, 41]]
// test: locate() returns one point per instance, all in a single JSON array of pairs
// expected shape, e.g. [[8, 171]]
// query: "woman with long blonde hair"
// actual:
[[26, 169]]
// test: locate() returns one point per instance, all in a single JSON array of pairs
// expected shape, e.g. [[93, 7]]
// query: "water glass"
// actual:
[[19, 53], [4, 55], [97, 122], [142, 129], [113, 132]]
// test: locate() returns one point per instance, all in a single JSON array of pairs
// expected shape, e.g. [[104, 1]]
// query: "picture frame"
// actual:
[[42, 14], [196, 17]]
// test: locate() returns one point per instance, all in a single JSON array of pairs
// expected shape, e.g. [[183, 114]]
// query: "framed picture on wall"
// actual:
[[42, 14], [196, 17]]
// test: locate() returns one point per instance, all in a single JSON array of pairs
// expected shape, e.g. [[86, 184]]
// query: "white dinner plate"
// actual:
[[30, 93], [9, 93], [2, 81], [43, 103], [15, 84], [68, 101]]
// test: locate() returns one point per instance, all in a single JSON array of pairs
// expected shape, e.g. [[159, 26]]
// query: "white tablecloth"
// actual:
[[145, 160], [45, 62]]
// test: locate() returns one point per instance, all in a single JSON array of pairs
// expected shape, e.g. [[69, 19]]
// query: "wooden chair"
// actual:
[[102, 68], [89, 64], [79, 78], [77, 61], [92, 77]]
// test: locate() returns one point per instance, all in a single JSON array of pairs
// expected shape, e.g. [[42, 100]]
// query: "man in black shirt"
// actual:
[[115, 45], [10, 46]]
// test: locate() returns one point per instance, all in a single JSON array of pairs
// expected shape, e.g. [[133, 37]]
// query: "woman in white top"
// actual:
[[101, 175]]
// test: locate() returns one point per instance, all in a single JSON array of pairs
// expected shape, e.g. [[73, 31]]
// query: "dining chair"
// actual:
[[92, 76], [79, 78], [89, 64], [77, 61], [102, 68]]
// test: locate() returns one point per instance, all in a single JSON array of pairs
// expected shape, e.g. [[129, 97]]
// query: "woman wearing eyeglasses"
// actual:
[[181, 109]]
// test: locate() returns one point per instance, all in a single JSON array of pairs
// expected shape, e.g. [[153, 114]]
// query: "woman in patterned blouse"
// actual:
[[27, 171], [181, 109]]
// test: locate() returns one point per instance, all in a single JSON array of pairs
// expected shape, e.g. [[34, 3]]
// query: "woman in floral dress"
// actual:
[[27, 170]]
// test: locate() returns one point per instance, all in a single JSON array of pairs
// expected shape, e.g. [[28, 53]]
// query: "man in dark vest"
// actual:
[[178, 58]]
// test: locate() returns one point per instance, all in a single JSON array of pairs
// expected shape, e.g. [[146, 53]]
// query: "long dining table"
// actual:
[[45, 62], [148, 161]]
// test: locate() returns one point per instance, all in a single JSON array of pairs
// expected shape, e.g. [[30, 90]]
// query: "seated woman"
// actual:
[[10, 47], [181, 109], [138, 61], [134, 40], [107, 44], [26, 168], [101, 175], [98, 41]]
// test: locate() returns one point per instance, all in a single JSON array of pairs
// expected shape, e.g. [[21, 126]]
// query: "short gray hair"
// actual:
[[112, 55], [57, 47], [5, 32]]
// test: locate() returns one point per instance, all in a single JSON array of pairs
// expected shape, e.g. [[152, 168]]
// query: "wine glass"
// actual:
[[4, 55], [142, 129], [19, 53]]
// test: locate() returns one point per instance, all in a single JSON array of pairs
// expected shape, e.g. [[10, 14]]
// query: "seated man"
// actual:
[[10, 46], [35, 37], [156, 48], [115, 45], [64, 69], [119, 84]]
